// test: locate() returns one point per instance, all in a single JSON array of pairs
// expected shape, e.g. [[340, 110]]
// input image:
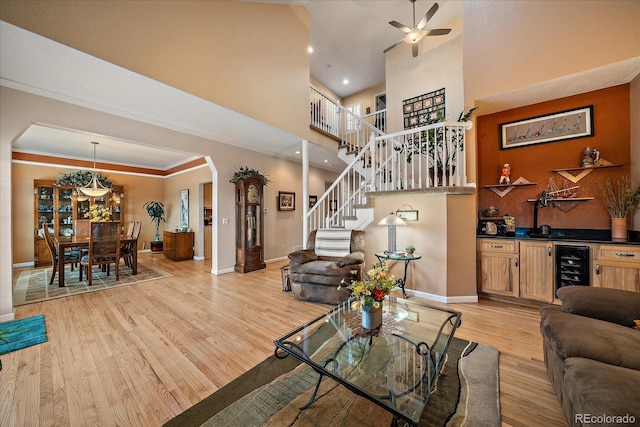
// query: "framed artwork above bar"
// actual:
[[570, 124]]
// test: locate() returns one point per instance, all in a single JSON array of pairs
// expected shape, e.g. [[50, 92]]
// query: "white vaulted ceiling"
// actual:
[[37, 65]]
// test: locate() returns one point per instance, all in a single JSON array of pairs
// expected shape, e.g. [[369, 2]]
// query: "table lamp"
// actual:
[[391, 221]]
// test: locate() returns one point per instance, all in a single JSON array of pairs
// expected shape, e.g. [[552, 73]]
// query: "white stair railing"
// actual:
[[341, 199], [325, 113], [424, 157], [352, 130]]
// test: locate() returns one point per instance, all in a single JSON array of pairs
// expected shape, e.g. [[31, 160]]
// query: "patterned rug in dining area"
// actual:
[[33, 285]]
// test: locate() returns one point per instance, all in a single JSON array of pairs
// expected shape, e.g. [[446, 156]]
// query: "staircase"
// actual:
[[412, 160]]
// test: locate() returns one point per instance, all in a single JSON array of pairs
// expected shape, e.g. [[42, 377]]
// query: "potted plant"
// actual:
[[620, 199], [81, 178], [156, 212], [410, 249], [245, 172]]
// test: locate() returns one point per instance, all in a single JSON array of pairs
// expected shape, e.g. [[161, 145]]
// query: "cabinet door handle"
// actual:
[[597, 268], [623, 254], [549, 251], [516, 261], [497, 246]]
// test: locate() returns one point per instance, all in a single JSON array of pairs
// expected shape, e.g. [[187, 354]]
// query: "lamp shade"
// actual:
[[94, 188], [391, 219]]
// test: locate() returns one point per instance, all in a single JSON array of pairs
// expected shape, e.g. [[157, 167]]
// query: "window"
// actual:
[[352, 123]]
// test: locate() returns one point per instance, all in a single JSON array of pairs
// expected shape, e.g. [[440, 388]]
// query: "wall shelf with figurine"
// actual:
[[503, 189], [584, 170]]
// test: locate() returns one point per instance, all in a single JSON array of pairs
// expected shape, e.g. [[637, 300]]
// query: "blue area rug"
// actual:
[[21, 333]]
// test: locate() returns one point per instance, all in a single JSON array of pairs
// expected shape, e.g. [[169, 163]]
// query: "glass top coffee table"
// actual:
[[394, 366]]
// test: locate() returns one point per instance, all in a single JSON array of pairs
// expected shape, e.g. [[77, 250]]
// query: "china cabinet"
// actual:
[[61, 207]]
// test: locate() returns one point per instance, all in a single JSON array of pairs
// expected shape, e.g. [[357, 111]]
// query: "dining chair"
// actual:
[[83, 228], [70, 257], [130, 228], [104, 249], [127, 249]]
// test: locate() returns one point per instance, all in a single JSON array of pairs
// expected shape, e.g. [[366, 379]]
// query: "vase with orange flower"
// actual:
[[369, 293]]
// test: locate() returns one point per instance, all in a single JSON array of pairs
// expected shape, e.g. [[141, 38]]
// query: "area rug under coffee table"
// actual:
[[33, 285], [271, 393]]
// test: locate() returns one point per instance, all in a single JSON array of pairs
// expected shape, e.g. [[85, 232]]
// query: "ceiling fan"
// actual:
[[416, 33]]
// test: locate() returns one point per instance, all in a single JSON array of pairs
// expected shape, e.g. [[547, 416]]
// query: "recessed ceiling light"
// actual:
[[345, 82], [297, 152], [310, 49], [326, 161]]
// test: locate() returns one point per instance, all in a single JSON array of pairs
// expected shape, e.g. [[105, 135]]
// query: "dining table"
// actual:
[[79, 242]]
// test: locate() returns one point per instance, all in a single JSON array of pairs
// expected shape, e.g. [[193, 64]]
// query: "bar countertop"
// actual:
[[568, 235]]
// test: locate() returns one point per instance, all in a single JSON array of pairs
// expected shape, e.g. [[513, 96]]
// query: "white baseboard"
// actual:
[[24, 264], [444, 299], [7, 317], [282, 258], [225, 271], [198, 258]]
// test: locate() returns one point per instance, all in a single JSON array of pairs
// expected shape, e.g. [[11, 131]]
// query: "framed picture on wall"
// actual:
[[312, 201], [577, 123], [411, 215], [184, 209], [286, 201]]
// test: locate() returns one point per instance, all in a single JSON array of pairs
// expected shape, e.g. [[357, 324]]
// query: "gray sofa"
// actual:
[[316, 278], [592, 355]]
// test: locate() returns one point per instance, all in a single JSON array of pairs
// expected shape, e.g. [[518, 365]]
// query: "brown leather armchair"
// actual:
[[317, 278]]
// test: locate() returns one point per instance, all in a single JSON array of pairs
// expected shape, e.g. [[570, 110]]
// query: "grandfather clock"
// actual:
[[249, 225]]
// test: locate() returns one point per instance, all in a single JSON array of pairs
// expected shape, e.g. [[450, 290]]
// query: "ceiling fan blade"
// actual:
[[438, 32], [427, 16], [392, 46], [414, 49], [400, 26]]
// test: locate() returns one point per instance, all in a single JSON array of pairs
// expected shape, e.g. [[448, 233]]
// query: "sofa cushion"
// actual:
[[600, 390], [324, 268], [612, 305], [570, 335], [302, 256], [351, 259]]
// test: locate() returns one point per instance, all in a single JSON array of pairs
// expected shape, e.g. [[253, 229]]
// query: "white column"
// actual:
[[305, 192]]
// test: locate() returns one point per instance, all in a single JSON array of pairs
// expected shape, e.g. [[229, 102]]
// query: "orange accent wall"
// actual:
[[612, 137]]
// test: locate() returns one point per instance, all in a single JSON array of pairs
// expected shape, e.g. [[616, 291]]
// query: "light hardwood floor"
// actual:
[[139, 355]]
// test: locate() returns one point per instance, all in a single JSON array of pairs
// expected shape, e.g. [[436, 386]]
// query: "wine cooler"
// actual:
[[572, 266]]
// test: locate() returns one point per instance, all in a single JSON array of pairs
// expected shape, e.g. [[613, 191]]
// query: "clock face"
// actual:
[[252, 194]]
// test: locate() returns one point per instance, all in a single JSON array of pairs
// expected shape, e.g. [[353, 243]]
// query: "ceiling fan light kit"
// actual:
[[417, 32], [414, 36]]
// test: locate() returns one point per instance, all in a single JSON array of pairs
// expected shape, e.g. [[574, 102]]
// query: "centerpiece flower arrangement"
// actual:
[[98, 214], [368, 293]]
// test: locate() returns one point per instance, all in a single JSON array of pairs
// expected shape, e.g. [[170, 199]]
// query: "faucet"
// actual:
[[542, 202]]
